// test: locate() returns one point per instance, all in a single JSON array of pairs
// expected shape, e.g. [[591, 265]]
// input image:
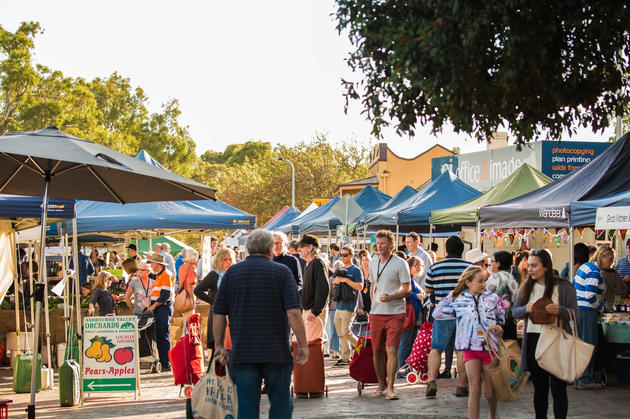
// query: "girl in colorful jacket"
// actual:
[[476, 310]]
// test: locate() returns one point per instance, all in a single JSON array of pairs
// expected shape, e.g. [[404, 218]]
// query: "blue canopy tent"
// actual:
[[164, 216], [26, 211], [370, 198], [414, 213], [284, 216], [373, 216], [583, 213], [320, 219]]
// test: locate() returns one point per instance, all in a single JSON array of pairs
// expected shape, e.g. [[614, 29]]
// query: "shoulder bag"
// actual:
[[184, 300], [214, 396], [506, 376], [563, 354]]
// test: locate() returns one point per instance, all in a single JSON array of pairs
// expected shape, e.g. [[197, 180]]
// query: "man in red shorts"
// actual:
[[391, 283]]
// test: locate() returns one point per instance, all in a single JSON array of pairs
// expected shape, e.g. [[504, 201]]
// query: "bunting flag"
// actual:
[[557, 240], [622, 233], [512, 237], [520, 241], [611, 234], [581, 231]]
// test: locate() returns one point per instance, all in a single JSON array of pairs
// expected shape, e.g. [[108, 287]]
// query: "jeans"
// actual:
[[587, 330], [541, 380], [248, 379], [163, 314], [333, 337], [347, 340], [406, 344]]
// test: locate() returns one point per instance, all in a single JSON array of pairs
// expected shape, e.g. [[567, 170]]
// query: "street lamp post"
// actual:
[[292, 179]]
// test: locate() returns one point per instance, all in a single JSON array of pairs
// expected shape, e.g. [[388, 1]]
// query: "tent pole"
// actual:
[[77, 291], [30, 279], [38, 306], [570, 253], [16, 291], [430, 235], [64, 266], [397, 231], [329, 243], [478, 236]]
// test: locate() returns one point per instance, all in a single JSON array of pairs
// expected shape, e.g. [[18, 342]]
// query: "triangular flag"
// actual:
[[622, 233], [581, 231], [611, 234]]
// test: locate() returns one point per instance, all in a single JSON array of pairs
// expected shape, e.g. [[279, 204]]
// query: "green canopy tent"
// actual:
[[525, 179]]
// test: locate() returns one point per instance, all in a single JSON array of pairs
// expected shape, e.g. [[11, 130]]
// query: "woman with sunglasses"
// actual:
[[139, 286], [541, 282]]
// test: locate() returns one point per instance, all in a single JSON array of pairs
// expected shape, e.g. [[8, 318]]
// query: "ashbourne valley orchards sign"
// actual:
[[110, 354]]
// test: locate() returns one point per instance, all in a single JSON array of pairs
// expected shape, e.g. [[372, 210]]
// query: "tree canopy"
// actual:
[[532, 66]]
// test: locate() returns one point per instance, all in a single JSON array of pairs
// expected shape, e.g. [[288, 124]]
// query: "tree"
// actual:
[[533, 66], [17, 74], [261, 186]]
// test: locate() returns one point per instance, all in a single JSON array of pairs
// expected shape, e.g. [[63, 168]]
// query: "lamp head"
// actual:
[[278, 159]]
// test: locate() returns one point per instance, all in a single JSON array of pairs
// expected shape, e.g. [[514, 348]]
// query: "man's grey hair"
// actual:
[[165, 246], [282, 236], [259, 242]]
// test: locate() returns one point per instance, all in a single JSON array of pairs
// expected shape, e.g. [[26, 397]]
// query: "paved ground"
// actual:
[[160, 400]]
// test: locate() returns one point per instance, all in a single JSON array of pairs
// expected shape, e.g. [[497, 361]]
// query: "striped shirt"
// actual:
[[589, 287], [162, 290], [443, 275], [623, 266]]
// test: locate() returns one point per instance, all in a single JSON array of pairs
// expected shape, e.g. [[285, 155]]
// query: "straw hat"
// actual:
[[475, 255], [156, 258]]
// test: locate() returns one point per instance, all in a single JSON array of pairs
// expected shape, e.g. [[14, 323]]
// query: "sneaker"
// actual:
[[431, 390], [341, 363], [445, 374], [589, 386], [461, 392]]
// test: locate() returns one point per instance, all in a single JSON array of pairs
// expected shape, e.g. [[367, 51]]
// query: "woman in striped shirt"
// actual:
[[589, 287]]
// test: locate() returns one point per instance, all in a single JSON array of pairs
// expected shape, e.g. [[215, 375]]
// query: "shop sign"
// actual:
[[561, 158], [612, 218]]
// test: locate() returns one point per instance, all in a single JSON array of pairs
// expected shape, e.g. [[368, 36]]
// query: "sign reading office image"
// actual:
[[484, 169]]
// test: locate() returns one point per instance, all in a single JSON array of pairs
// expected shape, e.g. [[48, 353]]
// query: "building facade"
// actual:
[[389, 173]]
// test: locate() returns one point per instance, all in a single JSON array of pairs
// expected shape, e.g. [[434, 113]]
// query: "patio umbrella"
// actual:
[[50, 162]]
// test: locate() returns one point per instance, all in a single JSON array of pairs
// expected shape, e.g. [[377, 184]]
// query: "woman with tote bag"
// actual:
[[558, 299]]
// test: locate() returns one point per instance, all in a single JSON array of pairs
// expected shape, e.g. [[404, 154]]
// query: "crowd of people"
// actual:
[[297, 290]]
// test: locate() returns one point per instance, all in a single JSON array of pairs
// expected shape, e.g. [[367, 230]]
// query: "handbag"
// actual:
[[410, 316], [184, 301], [215, 395], [506, 375], [563, 354]]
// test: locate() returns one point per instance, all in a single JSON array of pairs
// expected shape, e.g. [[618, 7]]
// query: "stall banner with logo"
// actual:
[[110, 354]]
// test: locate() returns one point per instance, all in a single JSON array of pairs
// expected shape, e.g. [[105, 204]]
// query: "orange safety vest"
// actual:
[[164, 281]]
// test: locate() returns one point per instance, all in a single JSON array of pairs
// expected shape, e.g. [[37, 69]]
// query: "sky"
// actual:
[[241, 70]]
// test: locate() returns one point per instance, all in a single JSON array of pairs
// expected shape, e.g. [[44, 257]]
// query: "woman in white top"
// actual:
[[540, 282]]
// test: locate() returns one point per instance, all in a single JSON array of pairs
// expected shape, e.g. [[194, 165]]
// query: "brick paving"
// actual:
[[160, 399]]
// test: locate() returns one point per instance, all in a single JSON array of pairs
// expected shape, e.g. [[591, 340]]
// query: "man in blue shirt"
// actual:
[[346, 309], [281, 255], [85, 268], [261, 299]]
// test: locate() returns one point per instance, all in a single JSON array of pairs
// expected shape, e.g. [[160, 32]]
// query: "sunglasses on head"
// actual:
[[537, 252]]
